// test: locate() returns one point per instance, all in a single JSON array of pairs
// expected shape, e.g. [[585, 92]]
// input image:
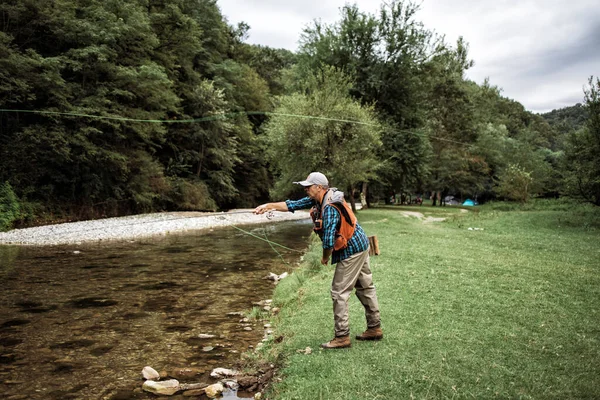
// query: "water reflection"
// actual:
[[83, 325]]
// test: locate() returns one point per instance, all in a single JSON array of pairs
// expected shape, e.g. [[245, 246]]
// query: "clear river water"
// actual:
[[80, 322]]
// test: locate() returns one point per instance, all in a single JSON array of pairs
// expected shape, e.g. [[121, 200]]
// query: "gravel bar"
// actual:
[[137, 226]]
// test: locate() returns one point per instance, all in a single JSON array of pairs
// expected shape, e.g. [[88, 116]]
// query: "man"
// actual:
[[345, 241]]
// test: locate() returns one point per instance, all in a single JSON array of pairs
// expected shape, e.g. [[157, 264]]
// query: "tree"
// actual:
[[582, 154], [514, 183], [384, 56], [343, 148]]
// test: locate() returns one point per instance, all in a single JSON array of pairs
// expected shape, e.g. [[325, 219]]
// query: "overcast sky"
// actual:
[[539, 52]]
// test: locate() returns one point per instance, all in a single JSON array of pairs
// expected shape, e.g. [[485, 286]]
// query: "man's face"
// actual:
[[312, 191]]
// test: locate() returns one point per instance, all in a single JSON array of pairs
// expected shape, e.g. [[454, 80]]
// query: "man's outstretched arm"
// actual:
[[263, 208]]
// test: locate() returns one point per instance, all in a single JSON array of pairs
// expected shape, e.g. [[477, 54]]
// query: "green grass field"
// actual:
[[510, 311]]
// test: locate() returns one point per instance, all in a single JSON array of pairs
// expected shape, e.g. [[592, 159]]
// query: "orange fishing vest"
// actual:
[[347, 225]]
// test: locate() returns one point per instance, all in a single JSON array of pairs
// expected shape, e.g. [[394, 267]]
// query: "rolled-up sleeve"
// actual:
[[331, 219], [301, 204]]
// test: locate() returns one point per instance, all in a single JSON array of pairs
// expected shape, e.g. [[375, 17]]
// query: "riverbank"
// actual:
[[484, 305], [137, 226]]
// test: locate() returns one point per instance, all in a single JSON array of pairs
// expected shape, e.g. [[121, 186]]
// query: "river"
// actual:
[[80, 322]]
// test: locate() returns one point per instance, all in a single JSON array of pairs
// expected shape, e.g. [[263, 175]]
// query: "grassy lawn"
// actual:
[[511, 310]]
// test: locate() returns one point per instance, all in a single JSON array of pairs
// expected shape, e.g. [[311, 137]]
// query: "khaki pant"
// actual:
[[353, 272]]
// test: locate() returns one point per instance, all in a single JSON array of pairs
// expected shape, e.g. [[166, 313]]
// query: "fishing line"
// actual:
[[266, 240], [274, 249], [215, 117]]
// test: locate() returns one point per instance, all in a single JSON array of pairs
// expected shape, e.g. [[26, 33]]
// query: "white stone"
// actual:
[[150, 373], [166, 388], [206, 336], [214, 391], [223, 373], [273, 277]]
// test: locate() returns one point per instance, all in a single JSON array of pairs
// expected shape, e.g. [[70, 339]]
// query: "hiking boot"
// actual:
[[339, 342], [371, 334]]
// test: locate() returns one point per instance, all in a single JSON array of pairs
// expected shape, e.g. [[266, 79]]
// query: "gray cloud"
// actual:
[[540, 53]]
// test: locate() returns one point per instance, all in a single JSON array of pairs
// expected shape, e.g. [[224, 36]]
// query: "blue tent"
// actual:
[[468, 202]]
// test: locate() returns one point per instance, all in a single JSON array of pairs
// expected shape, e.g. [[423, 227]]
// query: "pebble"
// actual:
[[135, 226], [150, 374], [206, 336]]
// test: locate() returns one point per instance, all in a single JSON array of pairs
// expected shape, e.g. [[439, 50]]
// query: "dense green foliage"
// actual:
[[567, 119], [345, 152], [432, 131], [507, 311], [140, 59], [10, 209], [582, 155]]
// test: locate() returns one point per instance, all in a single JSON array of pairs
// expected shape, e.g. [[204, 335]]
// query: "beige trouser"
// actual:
[[353, 272]]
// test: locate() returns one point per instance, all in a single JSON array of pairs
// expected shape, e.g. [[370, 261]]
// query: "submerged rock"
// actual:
[[193, 392], [150, 373], [192, 386], [166, 388], [263, 302], [231, 384], [206, 336], [186, 373]]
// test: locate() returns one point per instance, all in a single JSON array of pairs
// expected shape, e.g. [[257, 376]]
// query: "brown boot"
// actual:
[[371, 334], [339, 342]]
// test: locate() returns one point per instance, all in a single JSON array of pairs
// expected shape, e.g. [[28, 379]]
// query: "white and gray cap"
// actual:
[[315, 178]]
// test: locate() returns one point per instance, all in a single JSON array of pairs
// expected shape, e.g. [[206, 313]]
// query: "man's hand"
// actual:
[[263, 208], [326, 255]]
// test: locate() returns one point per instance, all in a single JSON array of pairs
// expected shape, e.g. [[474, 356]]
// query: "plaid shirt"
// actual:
[[331, 219]]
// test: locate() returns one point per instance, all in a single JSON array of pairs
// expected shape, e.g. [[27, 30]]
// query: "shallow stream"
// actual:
[[80, 322]]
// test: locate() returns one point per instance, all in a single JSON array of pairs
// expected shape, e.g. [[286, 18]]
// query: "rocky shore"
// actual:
[[137, 226]]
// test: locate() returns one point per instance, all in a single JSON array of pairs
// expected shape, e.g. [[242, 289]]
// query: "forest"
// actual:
[[116, 107]]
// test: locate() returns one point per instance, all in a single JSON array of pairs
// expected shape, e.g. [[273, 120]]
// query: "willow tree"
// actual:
[[323, 129]]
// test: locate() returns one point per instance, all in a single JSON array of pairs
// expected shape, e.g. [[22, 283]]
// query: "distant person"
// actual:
[[345, 241]]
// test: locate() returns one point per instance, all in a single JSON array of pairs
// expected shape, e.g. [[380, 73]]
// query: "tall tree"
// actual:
[[327, 140], [582, 155], [384, 55]]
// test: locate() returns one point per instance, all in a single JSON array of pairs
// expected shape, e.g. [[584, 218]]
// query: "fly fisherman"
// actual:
[[345, 241]]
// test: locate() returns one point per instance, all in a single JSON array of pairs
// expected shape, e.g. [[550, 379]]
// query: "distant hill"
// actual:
[[568, 118]]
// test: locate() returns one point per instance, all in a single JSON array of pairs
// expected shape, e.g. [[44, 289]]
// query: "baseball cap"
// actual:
[[314, 178]]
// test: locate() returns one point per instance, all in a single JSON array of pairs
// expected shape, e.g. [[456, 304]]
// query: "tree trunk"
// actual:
[[363, 196], [352, 200], [199, 170]]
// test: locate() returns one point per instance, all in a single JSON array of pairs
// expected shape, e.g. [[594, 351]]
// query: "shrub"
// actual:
[[10, 209]]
